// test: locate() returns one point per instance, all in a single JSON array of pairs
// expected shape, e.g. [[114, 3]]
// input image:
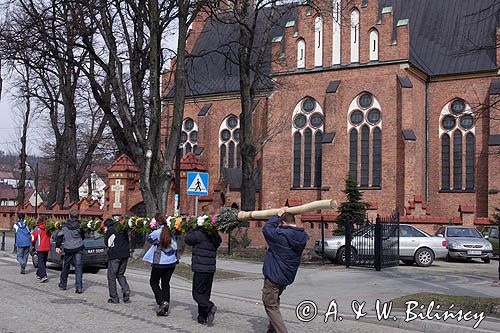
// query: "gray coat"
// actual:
[[71, 235]]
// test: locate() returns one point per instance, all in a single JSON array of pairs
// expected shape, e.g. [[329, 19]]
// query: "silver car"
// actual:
[[466, 243], [415, 246]]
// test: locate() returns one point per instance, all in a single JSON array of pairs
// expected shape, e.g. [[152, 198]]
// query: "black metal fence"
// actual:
[[372, 245]]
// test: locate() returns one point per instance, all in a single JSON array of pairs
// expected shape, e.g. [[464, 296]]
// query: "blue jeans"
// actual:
[[42, 264], [22, 255], [75, 258]]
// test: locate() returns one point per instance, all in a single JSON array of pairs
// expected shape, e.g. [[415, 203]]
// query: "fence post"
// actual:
[[348, 239], [3, 241], [378, 244], [322, 240]]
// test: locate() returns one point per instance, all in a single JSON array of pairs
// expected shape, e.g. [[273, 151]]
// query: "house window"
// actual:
[[307, 132], [301, 54], [457, 132], [337, 16], [189, 135], [229, 147], [374, 45], [355, 36], [364, 125], [318, 41]]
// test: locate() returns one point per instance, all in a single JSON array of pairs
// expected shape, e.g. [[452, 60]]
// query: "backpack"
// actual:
[[23, 235]]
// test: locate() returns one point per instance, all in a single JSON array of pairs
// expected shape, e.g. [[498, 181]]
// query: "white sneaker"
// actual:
[[44, 279]]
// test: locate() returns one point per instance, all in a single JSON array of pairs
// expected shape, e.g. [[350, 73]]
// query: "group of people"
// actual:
[[285, 241]]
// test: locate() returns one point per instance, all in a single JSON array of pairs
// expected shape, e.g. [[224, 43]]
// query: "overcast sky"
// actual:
[[10, 121]]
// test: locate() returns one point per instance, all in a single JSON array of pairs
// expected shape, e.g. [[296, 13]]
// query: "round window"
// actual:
[[184, 137], [457, 106], [300, 121], [373, 116], [309, 104], [232, 122], [225, 135], [356, 117], [236, 135], [365, 100], [193, 136], [467, 121], [448, 122], [316, 120], [188, 124]]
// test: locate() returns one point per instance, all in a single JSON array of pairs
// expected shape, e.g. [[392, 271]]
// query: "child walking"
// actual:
[[40, 238]]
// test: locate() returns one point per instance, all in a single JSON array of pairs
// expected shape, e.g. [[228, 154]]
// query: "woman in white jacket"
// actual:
[[162, 256]]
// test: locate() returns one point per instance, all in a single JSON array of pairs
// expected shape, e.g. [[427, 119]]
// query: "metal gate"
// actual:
[[373, 245]]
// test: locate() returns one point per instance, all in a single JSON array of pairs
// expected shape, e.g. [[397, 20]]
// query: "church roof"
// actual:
[[446, 37]]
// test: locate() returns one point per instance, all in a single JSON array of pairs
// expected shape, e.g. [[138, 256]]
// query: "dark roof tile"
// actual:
[[204, 110], [404, 81], [409, 135], [333, 86]]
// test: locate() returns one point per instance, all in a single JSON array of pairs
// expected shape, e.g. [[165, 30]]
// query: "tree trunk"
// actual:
[[21, 185]]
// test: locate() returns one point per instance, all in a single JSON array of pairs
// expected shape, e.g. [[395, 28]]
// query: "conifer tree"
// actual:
[[352, 210]]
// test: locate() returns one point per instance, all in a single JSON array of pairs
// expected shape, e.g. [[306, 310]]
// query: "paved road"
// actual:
[[28, 306]]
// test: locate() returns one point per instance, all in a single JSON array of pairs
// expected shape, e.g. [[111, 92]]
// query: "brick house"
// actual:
[[396, 93]]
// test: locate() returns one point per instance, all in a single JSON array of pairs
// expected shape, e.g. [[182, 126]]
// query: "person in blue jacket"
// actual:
[[23, 242], [285, 242], [162, 256]]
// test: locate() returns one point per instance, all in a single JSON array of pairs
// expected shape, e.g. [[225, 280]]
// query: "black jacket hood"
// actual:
[[73, 224]]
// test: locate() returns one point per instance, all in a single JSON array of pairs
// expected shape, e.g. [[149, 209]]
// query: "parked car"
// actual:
[[465, 243], [491, 234], [95, 256], [415, 246]]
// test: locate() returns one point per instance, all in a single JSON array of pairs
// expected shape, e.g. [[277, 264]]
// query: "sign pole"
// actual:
[[195, 205]]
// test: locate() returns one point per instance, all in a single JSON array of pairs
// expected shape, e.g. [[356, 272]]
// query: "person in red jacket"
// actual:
[[40, 238]]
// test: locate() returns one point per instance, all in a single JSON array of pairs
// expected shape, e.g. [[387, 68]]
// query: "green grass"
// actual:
[[467, 303], [183, 270]]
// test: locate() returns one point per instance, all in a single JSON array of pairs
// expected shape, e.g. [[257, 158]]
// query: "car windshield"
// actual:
[[463, 232]]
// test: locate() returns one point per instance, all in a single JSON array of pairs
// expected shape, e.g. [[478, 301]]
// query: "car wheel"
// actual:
[[34, 259], [408, 261], [424, 257], [486, 260], [447, 258], [341, 255], [92, 269]]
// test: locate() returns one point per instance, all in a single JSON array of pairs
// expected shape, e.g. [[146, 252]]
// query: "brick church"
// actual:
[[400, 94]]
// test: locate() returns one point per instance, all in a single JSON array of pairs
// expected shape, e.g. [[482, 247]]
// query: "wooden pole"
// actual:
[[309, 207]]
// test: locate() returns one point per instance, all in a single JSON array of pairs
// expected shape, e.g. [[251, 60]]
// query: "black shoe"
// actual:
[[202, 321], [113, 301], [78, 291], [61, 286], [126, 297], [211, 315], [163, 309], [23, 270]]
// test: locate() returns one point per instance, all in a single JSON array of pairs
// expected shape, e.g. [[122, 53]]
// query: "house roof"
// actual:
[[7, 192], [448, 36], [7, 175]]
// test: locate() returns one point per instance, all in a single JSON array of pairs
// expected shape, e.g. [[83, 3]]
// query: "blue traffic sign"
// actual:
[[197, 183]]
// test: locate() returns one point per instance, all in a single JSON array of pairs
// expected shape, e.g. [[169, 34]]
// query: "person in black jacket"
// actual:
[[203, 264], [118, 254], [285, 242]]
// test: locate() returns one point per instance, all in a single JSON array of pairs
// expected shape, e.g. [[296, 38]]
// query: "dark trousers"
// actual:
[[116, 271], [75, 258], [42, 263], [163, 274], [271, 298], [202, 289]]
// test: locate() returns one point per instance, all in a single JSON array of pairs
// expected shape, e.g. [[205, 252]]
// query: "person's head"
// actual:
[[73, 214], [288, 219], [165, 236], [42, 219], [20, 216], [108, 223]]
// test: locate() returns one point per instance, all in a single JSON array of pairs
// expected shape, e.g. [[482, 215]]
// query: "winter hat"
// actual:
[[108, 223]]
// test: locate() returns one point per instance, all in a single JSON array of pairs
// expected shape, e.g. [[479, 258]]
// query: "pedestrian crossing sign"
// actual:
[[197, 183]]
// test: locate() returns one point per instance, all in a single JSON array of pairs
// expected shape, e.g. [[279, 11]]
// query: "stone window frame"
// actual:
[[307, 161], [365, 144], [458, 160], [301, 53], [374, 50], [355, 21], [229, 150], [189, 145]]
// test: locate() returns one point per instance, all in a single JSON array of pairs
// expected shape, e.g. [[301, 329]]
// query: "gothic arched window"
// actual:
[[301, 54], [355, 36], [189, 135], [318, 41], [457, 132], [337, 16], [364, 125], [374, 45], [229, 147], [307, 131]]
